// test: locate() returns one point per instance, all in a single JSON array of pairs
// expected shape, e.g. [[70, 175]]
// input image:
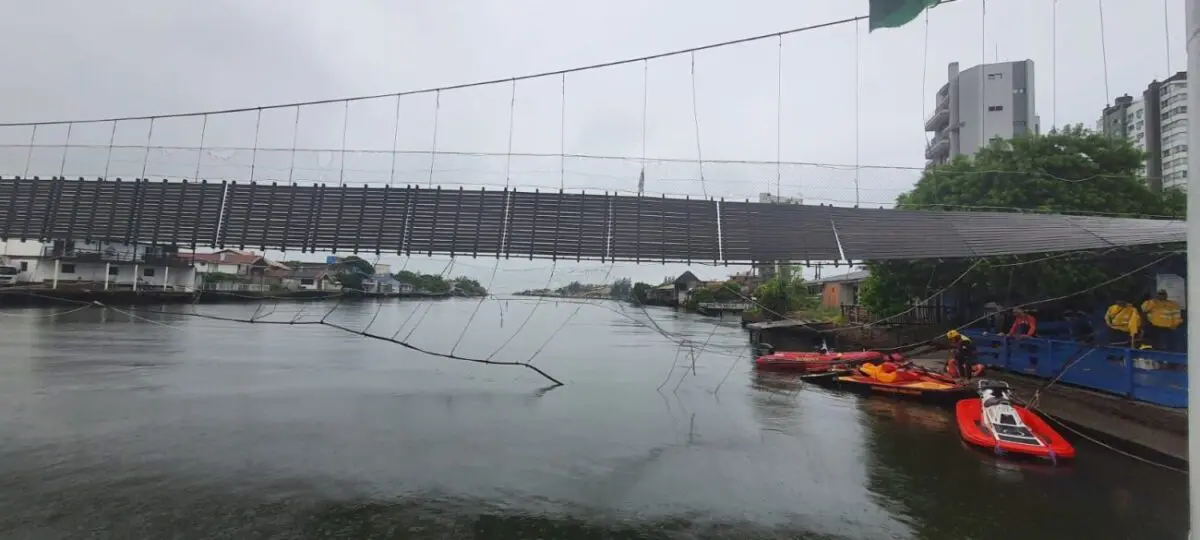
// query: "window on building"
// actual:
[[1139, 113], [993, 108], [148, 272], [994, 76], [114, 270], [24, 266], [66, 268], [306, 281], [1018, 90]]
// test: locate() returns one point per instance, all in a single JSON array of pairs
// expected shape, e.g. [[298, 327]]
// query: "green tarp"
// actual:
[[896, 13]]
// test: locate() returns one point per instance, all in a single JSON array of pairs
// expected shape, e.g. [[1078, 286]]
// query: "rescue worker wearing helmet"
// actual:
[[1124, 322], [963, 353], [1164, 316]]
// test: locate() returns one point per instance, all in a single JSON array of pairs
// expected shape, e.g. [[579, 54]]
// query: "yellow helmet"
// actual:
[[953, 334]]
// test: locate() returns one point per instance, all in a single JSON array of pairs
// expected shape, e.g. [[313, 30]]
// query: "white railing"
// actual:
[[724, 306], [232, 286]]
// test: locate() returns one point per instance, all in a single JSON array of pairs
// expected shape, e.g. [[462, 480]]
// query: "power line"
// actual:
[[475, 84]]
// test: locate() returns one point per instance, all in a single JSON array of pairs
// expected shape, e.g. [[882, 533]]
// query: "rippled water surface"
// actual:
[[197, 428]]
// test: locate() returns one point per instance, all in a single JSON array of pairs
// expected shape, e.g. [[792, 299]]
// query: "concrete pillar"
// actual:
[[135, 276], [106, 269], [57, 267], [1192, 9], [166, 277]]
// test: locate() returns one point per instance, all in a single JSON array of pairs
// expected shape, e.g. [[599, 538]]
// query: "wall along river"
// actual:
[[195, 428]]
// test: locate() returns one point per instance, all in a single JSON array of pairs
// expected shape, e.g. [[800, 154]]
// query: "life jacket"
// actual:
[[1123, 318], [1163, 313], [1024, 325], [952, 369]]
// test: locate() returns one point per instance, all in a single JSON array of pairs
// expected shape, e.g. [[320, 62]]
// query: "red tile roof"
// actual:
[[228, 256]]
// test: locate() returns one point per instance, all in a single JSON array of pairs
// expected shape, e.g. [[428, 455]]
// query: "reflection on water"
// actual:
[[200, 428]]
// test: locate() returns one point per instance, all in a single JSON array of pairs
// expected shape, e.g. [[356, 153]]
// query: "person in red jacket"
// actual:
[[1024, 325]]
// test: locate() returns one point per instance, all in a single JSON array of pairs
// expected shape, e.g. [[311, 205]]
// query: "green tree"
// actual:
[[699, 296], [470, 287], [640, 292], [352, 271], [729, 291], [782, 294], [621, 289], [432, 283], [1068, 171]]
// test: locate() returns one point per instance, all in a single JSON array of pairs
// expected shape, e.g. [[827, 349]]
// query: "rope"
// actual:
[[512, 111], [589, 67], [342, 154], [29, 156], [254, 153], [437, 108], [527, 317], [562, 136], [1103, 51], [395, 141], [200, 151], [857, 104], [696, 121], [778, 119]]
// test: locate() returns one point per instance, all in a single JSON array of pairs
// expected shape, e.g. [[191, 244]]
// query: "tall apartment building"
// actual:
[[978, 105], [1157, 124]]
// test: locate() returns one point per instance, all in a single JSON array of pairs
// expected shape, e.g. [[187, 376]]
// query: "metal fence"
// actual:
[[919, 315], [1151, 376]]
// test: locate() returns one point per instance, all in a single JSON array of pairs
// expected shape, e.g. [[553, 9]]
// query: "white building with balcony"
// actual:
[[98, 265], [979, 104], [1156, 123]]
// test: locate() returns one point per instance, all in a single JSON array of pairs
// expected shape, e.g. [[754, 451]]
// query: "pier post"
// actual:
[[106, 274], [166, 277], [57, 266], [1192, 10], [135, 276]]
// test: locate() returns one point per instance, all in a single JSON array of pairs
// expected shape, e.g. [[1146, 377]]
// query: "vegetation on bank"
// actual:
[[1068, 171]]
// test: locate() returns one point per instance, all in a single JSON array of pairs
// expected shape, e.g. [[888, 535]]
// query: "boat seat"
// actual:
[[996, 400]]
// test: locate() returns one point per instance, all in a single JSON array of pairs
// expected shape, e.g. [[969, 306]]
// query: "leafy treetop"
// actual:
[[1068, 171]]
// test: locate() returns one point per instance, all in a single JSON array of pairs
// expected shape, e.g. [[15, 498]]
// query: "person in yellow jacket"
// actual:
[[1125, 322], [1164, 317]]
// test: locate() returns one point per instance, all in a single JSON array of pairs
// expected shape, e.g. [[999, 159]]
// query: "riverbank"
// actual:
[[1146, 430], [27, 297]]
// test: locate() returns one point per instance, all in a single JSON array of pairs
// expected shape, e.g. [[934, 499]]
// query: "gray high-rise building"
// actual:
[[1156, 122], [978, 105]]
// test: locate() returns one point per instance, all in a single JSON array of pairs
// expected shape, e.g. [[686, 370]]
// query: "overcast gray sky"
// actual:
[[83, 59]]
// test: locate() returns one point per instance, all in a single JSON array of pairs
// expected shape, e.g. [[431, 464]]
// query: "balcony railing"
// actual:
[[112, 255], [938, 147], [939, 119]]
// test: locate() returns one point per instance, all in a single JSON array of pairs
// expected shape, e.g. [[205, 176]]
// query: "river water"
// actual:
[[185, 427]]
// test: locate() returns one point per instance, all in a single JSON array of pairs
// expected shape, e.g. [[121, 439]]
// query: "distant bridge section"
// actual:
[[509, 223]]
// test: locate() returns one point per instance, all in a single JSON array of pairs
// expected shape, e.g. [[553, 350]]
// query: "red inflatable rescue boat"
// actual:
[[815, 362], [992, 421]]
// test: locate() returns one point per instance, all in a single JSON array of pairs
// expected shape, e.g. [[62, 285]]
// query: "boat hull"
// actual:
[[927, 390], [969, 414], [813, 362]]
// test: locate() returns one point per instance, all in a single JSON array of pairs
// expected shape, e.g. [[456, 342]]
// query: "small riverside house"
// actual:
[[99, 265], [838, 291]]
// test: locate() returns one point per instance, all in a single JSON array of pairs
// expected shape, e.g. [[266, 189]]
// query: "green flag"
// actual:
[[896, 13]]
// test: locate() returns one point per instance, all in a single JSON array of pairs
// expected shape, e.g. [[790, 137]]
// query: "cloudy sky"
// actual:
[[85, 60]]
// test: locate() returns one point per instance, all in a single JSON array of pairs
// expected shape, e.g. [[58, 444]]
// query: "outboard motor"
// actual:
[[764, 349]]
